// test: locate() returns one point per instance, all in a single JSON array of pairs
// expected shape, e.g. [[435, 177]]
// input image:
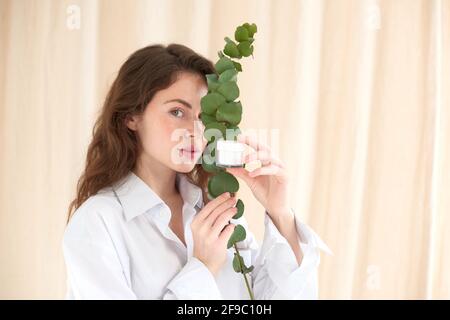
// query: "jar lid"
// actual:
[[229, 145]]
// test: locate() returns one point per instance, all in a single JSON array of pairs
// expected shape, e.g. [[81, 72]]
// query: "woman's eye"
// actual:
[[177, 113]]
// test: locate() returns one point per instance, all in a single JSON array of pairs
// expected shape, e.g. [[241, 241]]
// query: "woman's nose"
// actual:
[[191, 131], [197, 127]]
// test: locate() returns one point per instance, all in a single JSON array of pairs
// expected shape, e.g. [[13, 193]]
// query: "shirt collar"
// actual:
[[191, 193], [136, 197]]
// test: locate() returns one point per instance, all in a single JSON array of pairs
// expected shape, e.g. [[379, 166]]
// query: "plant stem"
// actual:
[[245, 276]]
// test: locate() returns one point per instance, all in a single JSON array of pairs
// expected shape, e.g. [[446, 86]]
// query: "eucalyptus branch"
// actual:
[[221, 115], [244, 274]]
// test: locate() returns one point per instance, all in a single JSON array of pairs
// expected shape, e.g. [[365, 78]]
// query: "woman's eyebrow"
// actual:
[[187, 104]]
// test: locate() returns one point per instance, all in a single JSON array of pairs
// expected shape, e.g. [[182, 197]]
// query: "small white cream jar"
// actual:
[[229, 154]]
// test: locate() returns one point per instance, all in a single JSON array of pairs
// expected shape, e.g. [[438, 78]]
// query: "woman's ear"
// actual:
[[132, 122]]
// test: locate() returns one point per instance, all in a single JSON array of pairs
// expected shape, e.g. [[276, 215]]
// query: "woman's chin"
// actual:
[[185, 167], [185, 162]]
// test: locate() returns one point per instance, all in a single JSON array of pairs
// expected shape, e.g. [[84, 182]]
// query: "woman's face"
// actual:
[[170, 130]]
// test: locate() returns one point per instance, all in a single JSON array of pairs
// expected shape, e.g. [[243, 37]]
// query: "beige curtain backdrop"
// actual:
[[359, 90]]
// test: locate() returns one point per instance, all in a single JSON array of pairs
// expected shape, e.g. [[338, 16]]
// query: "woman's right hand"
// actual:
[[211, 231]]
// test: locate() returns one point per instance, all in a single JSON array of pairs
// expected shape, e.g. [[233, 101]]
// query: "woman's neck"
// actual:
[[161, 179]]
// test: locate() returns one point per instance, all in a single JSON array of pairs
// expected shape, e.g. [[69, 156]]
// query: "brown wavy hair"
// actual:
[[114, 148]]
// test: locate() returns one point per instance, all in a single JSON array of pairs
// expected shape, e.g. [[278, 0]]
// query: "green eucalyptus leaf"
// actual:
[[214, 131], [220, 54], [230, 112], [251, 28], [228, 75], [223, 64], [238, 234], [229, 90], [213, 81], [240, 207], [232, 132], [237, 66], [206, 118], [232, 50], [222, 182], [208, 155], [212, 168], [211, 102], [248, 269], [228, 40], [241, 34], [245, 48], [212, 196], [238, 262]]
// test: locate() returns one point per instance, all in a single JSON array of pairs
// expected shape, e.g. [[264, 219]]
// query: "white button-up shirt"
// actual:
[[118, 245]]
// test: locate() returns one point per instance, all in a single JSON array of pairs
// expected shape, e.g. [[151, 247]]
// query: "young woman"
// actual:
[[141, 225]]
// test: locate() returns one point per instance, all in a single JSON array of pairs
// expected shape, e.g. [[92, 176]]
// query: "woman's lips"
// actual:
[[190, 152]]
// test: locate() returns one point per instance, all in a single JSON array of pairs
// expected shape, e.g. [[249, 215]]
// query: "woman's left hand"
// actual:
[[269, 183]]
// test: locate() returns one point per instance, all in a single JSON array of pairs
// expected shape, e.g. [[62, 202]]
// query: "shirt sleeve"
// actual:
[[194, 281], [276, 273], [94, 270]]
